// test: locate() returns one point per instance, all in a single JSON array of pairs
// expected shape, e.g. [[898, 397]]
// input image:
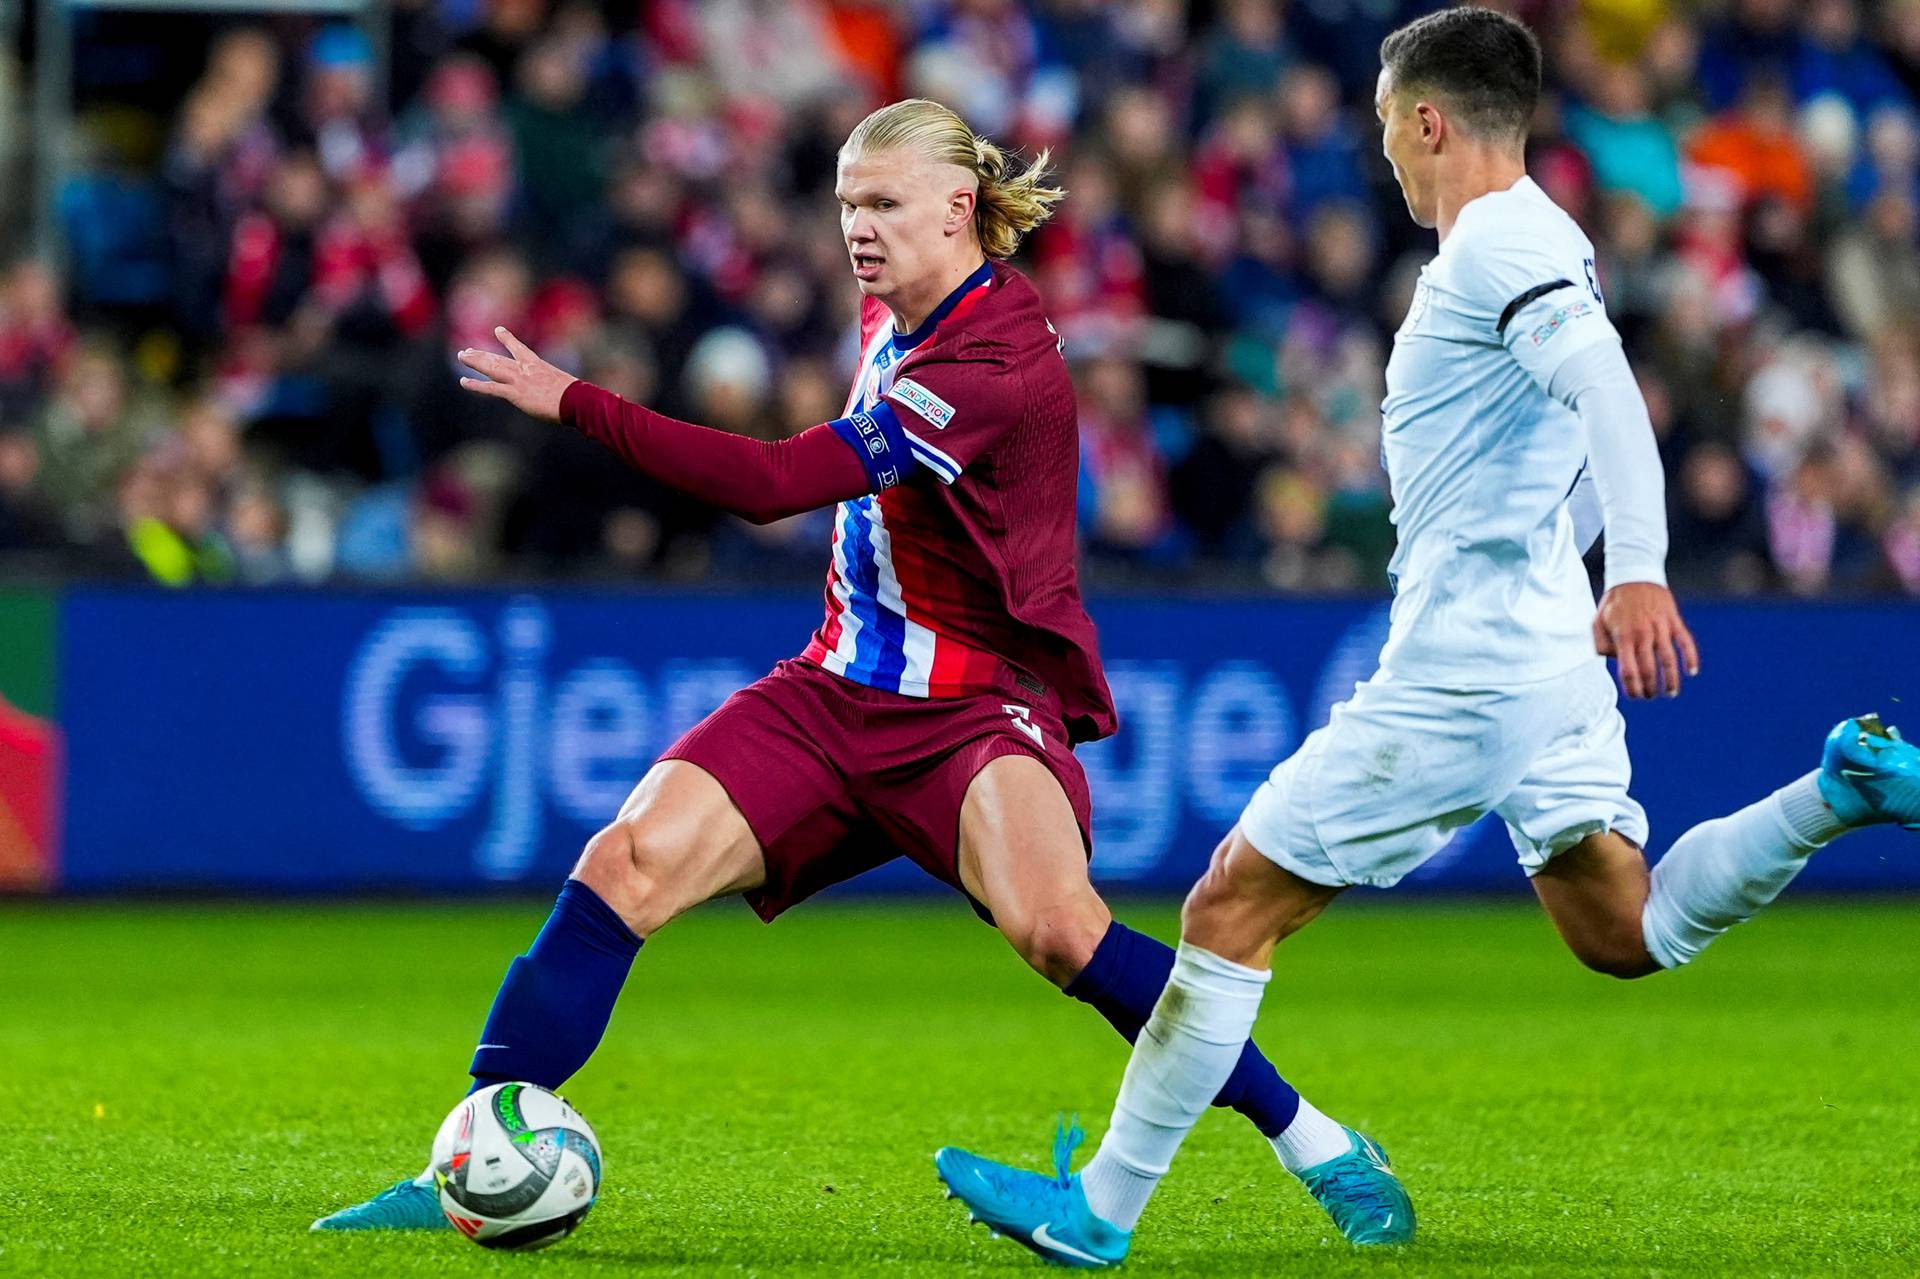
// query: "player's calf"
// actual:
[[1724, 871], [1596, 894], [1626, 959], [1245, 904]]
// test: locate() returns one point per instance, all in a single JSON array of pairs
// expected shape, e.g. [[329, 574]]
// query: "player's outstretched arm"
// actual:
[[754, 479], [1639, 624]]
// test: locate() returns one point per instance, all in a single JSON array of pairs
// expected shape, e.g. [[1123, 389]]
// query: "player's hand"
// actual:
[[1639, 625], [522, 379]]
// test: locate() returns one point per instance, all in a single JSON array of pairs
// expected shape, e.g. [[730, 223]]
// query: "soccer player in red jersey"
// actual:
[[934, 713]]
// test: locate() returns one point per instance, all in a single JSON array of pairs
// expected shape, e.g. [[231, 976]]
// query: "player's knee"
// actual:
[[628, 865], [1059, 941]]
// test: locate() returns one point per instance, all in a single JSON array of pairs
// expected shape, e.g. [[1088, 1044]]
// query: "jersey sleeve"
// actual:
[[757, 480], [1543, 298], [952, 407]]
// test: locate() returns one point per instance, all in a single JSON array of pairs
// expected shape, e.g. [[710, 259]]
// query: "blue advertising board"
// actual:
[[451, 741]]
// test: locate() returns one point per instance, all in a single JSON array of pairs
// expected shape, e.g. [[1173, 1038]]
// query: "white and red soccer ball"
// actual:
[[517, 1167]]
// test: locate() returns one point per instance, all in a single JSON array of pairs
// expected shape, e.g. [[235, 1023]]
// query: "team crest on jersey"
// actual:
[[924, 402], [1556, 321]]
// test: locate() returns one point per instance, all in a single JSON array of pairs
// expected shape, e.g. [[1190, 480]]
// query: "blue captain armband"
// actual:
[[877, 437]]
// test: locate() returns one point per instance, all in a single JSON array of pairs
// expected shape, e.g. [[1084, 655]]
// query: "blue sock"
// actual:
[[1123, 981], [556, 999]]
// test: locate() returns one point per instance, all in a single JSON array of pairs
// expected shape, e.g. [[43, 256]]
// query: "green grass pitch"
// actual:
[[186, 1087]]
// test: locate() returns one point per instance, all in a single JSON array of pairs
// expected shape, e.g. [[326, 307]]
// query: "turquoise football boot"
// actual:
[[1047, 1214], [1361, 1194], [405, 1205], [1870, 775]]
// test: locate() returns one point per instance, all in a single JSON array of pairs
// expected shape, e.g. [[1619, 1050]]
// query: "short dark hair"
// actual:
[[1482, 63]]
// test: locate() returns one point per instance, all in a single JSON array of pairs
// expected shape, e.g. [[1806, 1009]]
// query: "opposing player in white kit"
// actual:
[[1507, 392]]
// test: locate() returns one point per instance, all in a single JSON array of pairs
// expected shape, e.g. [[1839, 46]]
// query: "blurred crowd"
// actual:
[[244, 372]]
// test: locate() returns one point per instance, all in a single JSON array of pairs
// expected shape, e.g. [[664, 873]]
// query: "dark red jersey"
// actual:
[[953, 542], [963, 555]]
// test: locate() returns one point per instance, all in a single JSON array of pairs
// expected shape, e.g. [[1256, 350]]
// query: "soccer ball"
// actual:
[[517, 1167]]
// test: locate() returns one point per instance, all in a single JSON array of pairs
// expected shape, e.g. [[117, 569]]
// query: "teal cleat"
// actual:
[[1361, 1194], [1046, 1214], [406, 1205], [1870, 775]]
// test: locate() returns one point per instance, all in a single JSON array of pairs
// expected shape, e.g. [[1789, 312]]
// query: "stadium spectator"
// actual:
[[1755, 36], [1874, 272], [1244, 56], [1123, 477], [1889, 160], [1716, 529], [28, 521], [35, 337], [1836, 58], [1631, 149], [1755, 144], [1323, 156]]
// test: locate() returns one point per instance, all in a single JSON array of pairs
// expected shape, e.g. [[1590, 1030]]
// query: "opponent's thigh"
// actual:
[[1595, 893], [1021, 855], [679, 840]]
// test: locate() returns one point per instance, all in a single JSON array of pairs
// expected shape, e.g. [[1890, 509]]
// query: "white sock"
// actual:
[[1182, 1058], [425, 1178], [1310, 1139], [1722, 872]]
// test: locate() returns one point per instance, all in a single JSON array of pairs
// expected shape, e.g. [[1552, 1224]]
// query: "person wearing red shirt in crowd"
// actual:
[[934, 712]]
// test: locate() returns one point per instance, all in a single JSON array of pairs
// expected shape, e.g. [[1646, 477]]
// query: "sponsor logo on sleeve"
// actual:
[[935, 410], [1558, 320]]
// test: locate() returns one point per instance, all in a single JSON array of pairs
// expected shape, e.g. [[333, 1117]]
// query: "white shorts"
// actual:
[[1399, 768]]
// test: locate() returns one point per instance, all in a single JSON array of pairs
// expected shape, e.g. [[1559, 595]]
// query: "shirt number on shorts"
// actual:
[[1023, 720]]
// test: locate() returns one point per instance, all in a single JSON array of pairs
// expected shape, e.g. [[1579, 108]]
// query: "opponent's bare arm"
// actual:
[[754, 479]]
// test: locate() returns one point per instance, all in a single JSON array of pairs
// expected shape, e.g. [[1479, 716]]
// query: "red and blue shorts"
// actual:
[[836, 778]]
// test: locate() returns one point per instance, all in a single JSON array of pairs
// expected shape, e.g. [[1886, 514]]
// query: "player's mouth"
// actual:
[[866, 266]]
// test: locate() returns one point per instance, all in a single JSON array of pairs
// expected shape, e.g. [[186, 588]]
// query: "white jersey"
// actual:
[[1489, 589]]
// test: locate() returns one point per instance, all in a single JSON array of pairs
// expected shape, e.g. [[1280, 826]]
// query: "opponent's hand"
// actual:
[[523, 379], [1640, 626]]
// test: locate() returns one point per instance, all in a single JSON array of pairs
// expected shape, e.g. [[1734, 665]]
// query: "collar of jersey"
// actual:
[[907, 341]]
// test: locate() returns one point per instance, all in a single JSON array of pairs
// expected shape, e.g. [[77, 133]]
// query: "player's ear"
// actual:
[[1433, 125], [960, 207]]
